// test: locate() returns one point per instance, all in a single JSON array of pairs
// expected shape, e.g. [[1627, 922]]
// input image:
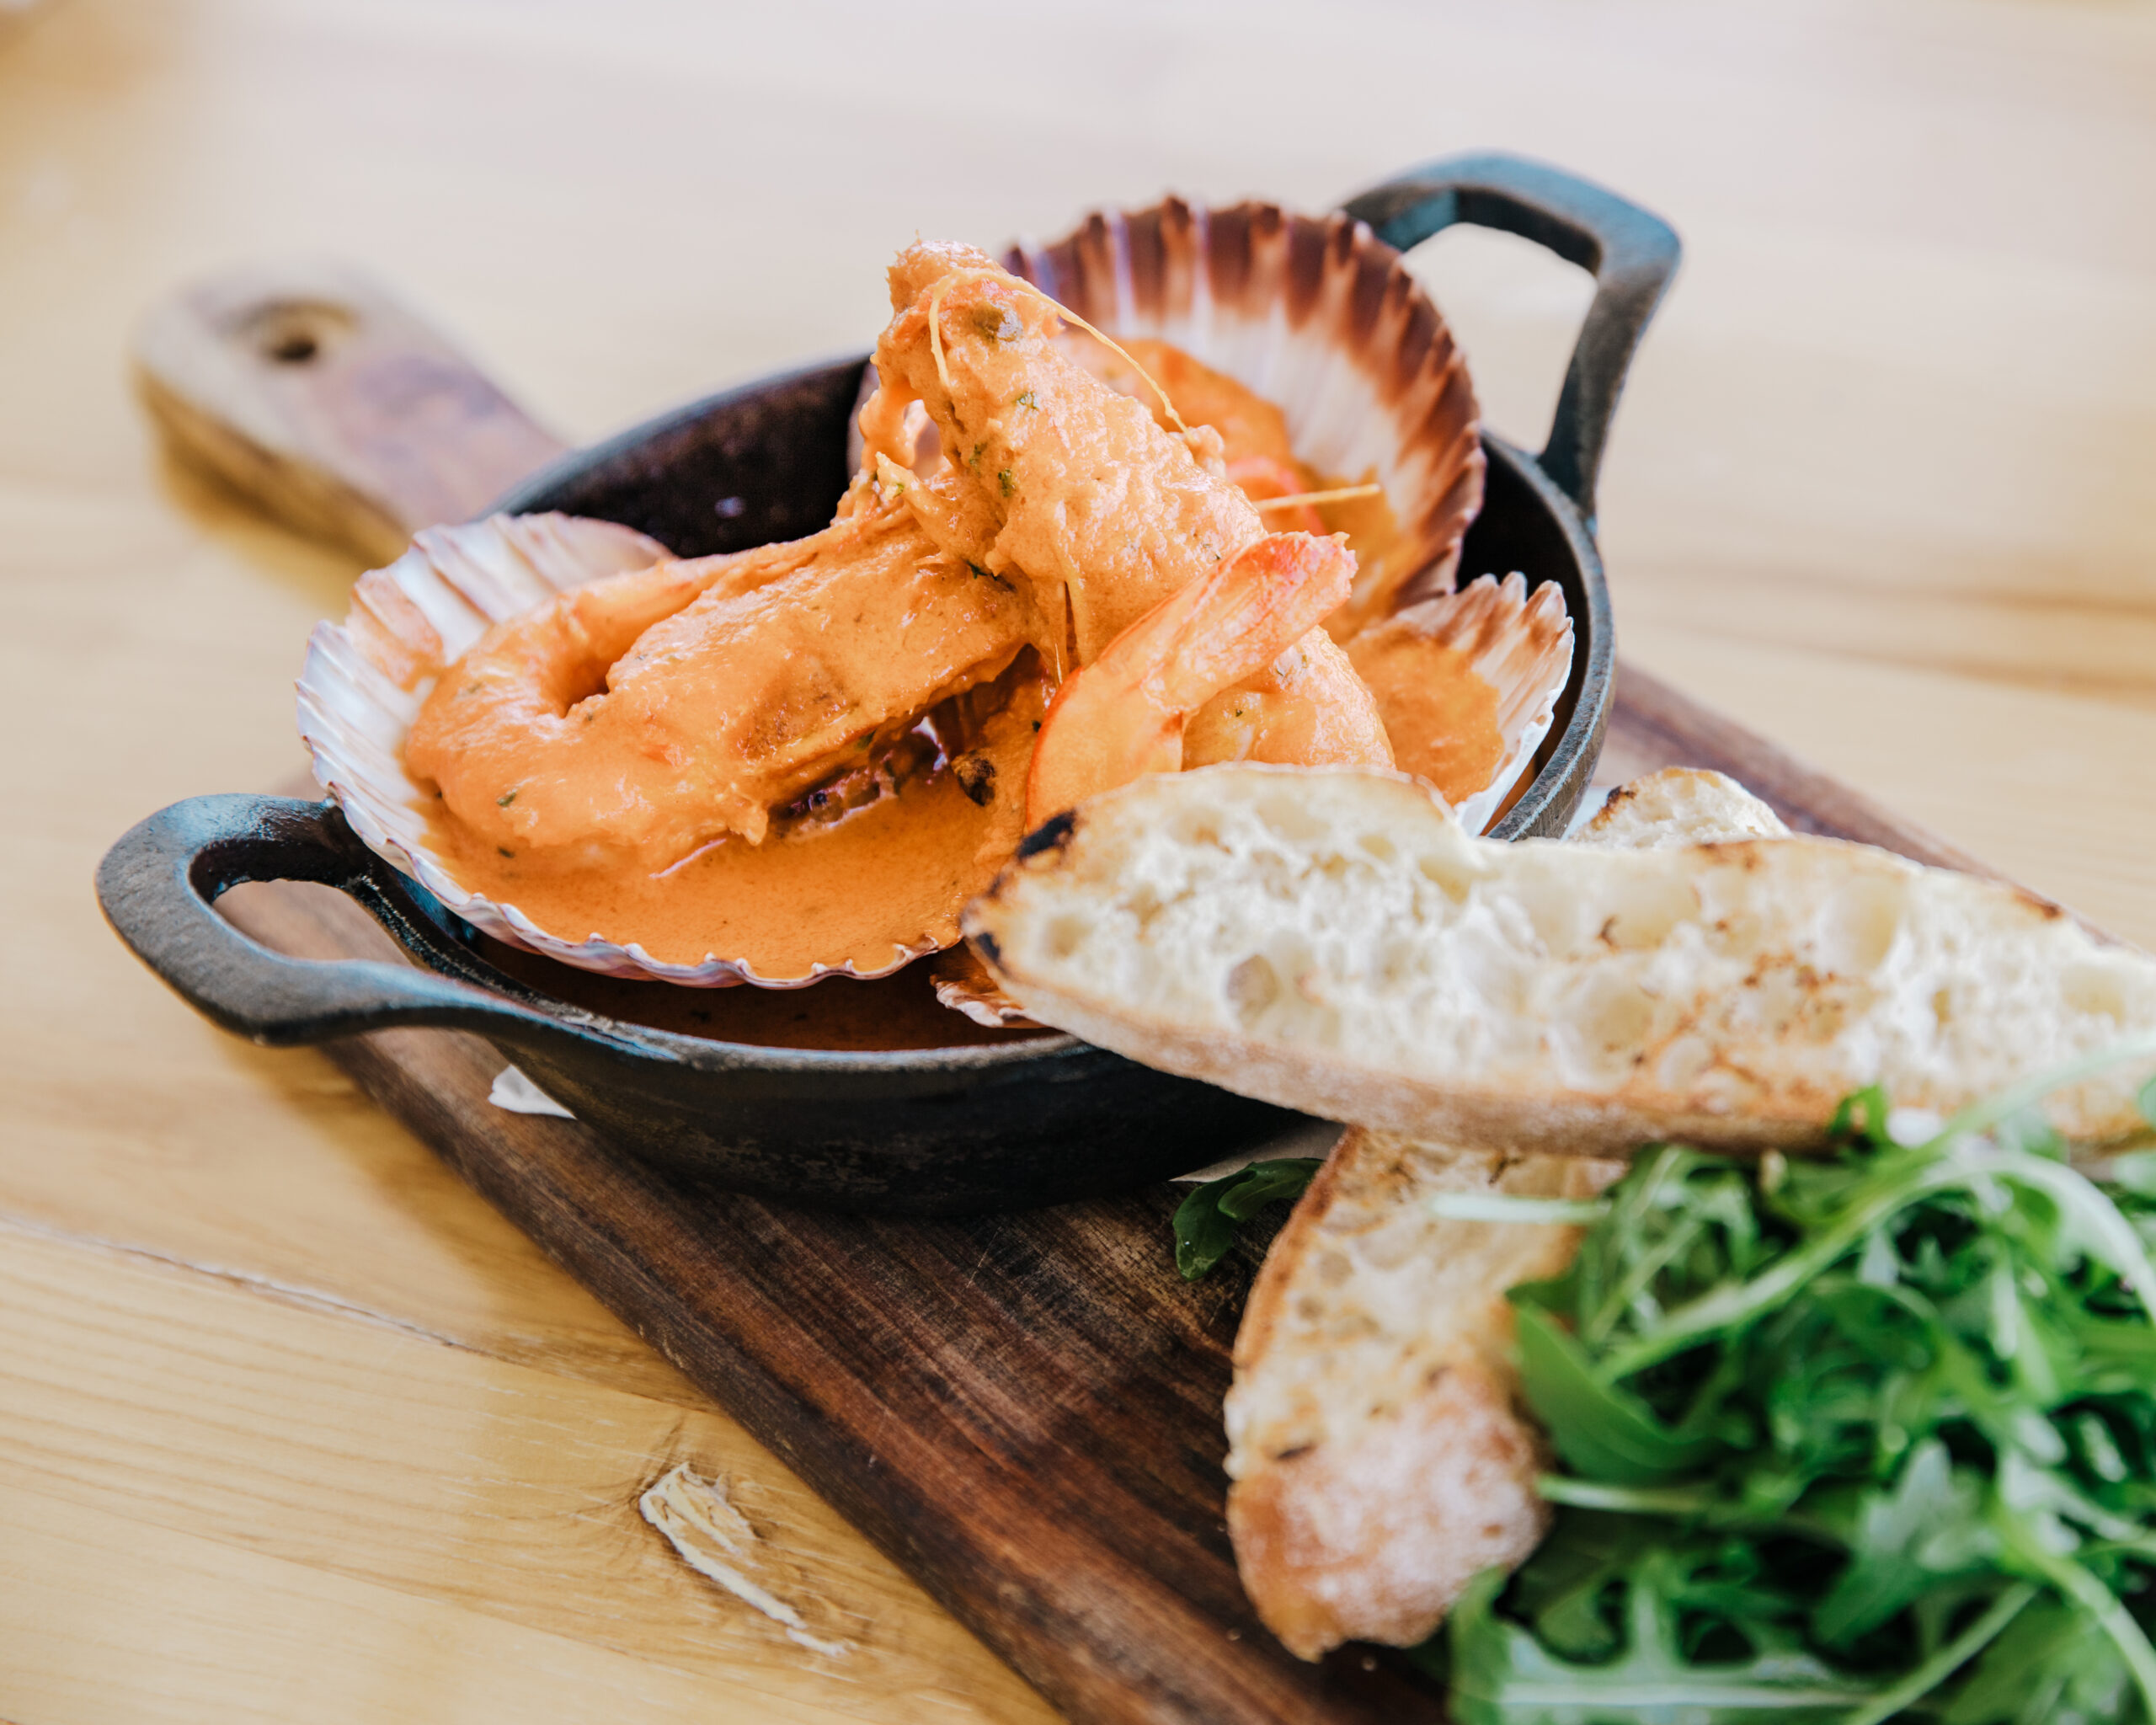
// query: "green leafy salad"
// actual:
[[1866, 1436], [1207, 1220]]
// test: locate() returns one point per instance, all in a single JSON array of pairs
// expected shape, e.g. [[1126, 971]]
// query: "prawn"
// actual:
[[1074, 490], [1124, 715], [1106, 513], [1312, 707], [651, 712]]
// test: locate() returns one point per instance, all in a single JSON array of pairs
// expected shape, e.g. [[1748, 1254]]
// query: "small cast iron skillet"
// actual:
[[933, 1131]]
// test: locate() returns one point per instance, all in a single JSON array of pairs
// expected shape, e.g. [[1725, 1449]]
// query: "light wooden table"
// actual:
[[291, 1425]]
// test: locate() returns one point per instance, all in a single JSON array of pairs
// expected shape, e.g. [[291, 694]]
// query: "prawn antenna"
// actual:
[[1118, 348], [1339, 494], [935, 330]]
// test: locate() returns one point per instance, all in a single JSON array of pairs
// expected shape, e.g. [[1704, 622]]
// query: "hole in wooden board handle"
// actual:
[[295, 332], [312, 392]]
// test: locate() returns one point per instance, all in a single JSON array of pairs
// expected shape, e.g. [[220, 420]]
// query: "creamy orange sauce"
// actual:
[[1442, 717], [860, 888], [1373, 533]]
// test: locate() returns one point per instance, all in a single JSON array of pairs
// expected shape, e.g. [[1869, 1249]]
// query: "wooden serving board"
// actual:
[[1023, 1410]]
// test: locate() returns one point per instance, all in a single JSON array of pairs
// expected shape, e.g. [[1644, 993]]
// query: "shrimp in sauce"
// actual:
[[1124, 715], [618, 755], [1065, 484], [1105, 513], [651, 712]]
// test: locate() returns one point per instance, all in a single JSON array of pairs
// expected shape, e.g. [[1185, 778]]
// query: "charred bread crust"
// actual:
[[1052, 834]]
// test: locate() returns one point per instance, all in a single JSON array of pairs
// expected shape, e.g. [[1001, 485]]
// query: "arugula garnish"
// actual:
[[1206, 1222], [1866, 1436]]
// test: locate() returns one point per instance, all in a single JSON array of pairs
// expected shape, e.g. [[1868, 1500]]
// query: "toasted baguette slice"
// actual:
[[1330, 939], [1378, 1460], [1680, 805], [1377, 1457]]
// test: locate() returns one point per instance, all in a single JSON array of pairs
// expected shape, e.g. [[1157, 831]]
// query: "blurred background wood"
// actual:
[[293, 1424], [306, 389]]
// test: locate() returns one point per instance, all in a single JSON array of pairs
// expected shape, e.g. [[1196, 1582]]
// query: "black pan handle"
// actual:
[[1631, 254], [158, 886]]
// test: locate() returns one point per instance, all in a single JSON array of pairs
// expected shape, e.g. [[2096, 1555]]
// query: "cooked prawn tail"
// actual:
[[1122, 716]]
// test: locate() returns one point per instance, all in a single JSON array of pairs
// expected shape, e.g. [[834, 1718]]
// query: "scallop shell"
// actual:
[[1520, 645], [1320, 317], [366, 678], [965, 985]]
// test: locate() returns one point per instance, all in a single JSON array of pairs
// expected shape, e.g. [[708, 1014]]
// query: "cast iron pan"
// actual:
[[935, 1131]]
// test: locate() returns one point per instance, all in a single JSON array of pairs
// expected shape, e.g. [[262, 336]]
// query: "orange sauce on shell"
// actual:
[[1441, 716], [1372, 530], [860, 888]]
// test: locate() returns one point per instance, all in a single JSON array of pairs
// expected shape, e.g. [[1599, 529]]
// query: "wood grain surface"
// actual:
[[1879, 490]]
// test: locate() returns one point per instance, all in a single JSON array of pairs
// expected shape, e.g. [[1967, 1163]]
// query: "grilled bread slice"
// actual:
[[1680, 805], [1378, 1458], [1331, 940]]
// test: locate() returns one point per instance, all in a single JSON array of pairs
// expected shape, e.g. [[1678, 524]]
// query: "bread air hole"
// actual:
[[1606, 1020], [1196, 829], [1377, 845], [1143, 903], [1396, 962], [1447, 874], [1642, 913], [1287, 817], [1858, 927], [2094, 989], [1282, 992]]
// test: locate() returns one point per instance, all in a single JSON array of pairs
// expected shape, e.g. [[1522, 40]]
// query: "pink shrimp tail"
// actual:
[[1122, 716]]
